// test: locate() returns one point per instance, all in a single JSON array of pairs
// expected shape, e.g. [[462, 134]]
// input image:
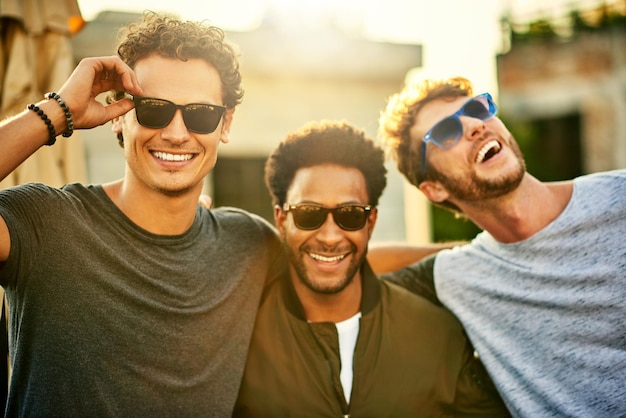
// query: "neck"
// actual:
[[152, 210], [521, 213], [319, 307]]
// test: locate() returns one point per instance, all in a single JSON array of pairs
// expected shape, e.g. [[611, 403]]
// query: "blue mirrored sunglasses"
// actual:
[[448, 131]]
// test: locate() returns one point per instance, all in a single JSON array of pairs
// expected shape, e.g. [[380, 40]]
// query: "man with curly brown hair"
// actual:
[[128, 298]]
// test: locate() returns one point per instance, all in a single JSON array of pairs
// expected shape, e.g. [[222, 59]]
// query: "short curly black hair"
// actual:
[[325, 142], [170, 37]]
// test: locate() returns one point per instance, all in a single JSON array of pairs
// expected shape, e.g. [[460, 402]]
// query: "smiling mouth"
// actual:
[[165, 156], [325, 259], [488, 150]]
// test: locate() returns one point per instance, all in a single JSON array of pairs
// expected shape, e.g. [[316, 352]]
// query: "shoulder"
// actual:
[[232, 214], [416, 308], [240, 220], [242, 231], [29, 189], [479, 258], [400, 297], [39, 196], [613, 178], [600, 191], [273, 300]]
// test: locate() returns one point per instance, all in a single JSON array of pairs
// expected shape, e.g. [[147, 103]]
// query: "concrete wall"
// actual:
[[585, 75]]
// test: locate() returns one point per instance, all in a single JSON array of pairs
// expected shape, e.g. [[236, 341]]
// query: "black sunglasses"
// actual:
[[349, 217], [201, 118]]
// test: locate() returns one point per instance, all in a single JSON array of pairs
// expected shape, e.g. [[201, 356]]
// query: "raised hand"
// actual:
[[91, 77]]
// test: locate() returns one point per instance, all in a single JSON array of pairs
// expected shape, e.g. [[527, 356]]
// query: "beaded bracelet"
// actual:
[[68, 115], [46, 119]]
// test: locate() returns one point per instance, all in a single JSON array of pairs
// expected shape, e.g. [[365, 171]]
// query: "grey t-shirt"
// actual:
[[548, 314], [108, 319]]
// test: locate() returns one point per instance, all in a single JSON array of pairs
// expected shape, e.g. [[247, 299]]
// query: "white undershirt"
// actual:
[[348, 331]]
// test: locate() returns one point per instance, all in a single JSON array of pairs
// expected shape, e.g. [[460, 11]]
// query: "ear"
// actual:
[[280, 216], [372, 222], [434, 191], [227, 121]]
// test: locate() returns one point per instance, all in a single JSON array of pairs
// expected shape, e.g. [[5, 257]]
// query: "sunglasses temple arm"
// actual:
[[423, 162]]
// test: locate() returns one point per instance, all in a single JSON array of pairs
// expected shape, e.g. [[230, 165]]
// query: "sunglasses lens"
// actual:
[[154, 113], [202, 118], [158, 113], [477, 108], [309, 216], [350, 218], [446, 132]]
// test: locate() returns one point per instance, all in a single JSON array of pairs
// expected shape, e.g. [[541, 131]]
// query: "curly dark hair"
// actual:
[[170, 37], [325, 142], [399, 116]]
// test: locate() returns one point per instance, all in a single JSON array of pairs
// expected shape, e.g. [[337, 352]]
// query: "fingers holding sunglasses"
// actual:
[[91, 77], [113, 73]]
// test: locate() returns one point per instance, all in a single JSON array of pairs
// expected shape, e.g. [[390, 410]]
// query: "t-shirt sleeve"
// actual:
[[26, 209], [417, 278]]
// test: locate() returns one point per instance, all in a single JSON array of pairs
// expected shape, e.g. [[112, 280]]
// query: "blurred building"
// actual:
[[292, 74], [565, 80], [36, 58]]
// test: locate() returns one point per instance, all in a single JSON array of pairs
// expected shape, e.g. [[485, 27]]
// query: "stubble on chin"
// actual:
[[473, 188], [321, 286]]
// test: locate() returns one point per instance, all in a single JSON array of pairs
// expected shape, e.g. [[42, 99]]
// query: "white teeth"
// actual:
[[326, 259], [172, 157], [489, 146]]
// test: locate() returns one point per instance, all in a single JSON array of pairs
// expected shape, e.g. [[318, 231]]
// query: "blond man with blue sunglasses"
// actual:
[[541, 290]]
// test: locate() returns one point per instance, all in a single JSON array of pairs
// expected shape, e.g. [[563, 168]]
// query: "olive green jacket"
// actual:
[[412, 359]]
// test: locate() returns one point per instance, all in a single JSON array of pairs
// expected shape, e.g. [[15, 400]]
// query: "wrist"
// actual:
[[69, 120], [53, 117], [52, 137]]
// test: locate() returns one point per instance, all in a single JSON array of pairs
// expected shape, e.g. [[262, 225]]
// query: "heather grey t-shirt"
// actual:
[[548, 314], [108, 319]]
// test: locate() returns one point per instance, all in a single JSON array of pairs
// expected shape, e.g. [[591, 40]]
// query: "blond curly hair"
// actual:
[[400, 114]]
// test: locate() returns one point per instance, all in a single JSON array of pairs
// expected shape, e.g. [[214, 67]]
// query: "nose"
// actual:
[[176, 131], [329, 233], [473, 127]]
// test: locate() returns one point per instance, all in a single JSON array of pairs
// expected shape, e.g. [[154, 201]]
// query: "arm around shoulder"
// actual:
[[385, 257]]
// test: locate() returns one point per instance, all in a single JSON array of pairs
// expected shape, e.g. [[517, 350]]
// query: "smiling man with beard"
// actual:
[[541, 290], [331, 339]]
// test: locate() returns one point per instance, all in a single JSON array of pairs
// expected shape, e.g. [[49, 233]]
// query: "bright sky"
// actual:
[[459, 37]]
